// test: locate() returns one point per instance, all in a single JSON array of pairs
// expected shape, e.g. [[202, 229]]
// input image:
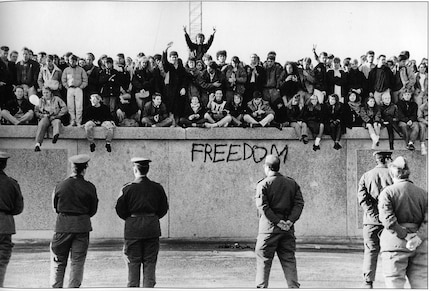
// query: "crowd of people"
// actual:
[[163, 91]]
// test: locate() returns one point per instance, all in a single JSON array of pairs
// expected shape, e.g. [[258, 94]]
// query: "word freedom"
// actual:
[[223, 152]]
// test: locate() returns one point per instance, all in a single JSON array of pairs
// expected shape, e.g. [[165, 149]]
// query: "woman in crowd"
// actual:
[[193, 114], [312, 116], [294, 117], [333, 117], [289, 82], [370, 114]]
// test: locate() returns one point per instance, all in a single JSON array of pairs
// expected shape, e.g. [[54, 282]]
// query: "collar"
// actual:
[[273, 174], [2, 173]]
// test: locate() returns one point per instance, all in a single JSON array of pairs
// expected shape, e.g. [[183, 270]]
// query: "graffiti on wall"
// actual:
[[234, 152]]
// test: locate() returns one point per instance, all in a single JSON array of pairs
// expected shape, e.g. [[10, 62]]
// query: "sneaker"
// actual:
[[37, 148], [411, 147], [304, 139], [423, 150], [337, 146], [92, 147], [316, 147], [108, 147], [55, 138]]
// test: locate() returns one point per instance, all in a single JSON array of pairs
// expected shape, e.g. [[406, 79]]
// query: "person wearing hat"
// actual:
[[11, 203], [75, 201], [403, 211], [280, 203], [142, 203], [370, 185], [97, 114], [199, 48], [408, 118]]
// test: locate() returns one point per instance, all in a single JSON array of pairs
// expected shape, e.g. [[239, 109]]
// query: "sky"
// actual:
[[345, 29]]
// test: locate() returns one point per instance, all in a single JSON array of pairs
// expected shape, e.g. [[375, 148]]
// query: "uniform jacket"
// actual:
[[141, 204], [403, 209], [75, 200], [278, 198], [11, 203], [369, 188], [407, 111], [74, 77]]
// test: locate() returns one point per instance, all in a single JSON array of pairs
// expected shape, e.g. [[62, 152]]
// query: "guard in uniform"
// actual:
[[11, 203], [141, 204], [75, 200], [280, 203], [403, 211], [369, 188]]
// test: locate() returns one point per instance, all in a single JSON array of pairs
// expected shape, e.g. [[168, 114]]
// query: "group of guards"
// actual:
[[395, 222]]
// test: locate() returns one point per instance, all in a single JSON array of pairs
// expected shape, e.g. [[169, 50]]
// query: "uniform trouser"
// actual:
[[43, 125], [410, 132], [75, 103], [284, 245], [61, 245], [6, 246], [109, 130], [111, 102], [398, 265], [371, 250], [141, 251]]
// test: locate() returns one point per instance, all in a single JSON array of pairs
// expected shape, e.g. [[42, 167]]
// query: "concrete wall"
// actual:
[[208, 174]]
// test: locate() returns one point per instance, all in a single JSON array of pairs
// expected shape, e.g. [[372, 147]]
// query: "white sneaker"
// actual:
[[423, 149]]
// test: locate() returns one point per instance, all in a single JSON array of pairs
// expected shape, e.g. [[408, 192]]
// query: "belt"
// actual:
[[141, 214], [71, 214]]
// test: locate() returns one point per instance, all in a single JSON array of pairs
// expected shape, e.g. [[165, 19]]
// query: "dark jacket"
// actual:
[[27, 73], [109, 81], [141, 204], [356, 80], [380, 79], [407, 110], [278, 198], [97, 114], [75, 200], [93, 86], [198, 50], [331, 81], [150, 111], [11, 203], [13, 106], [143, 79], [206, 83], [320, 77], [389, 112], [236, 110]]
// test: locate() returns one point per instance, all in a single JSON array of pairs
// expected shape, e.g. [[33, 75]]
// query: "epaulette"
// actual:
[[13, 179], [260, 180], [127, 184]]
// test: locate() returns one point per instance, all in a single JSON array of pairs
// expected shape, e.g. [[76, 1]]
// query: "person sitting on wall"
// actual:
[[333, 119], [259, 113], [408, 118], [217, 114], [98, 114], [193, 114], [18, 110], [155, 113], [127, 112], [237, 109], [49, 112]]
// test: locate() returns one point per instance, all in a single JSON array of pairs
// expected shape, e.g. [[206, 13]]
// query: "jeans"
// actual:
[[61, 245], [43, 125], [109, 130], [6, 246], [141, 252], [75, 103], [371, 250], [410, 132], [284, 245]]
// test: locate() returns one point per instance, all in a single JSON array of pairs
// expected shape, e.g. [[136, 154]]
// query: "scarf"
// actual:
[[355, 106]]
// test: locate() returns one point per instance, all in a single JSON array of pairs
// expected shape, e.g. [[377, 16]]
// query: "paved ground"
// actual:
[[195, 266]]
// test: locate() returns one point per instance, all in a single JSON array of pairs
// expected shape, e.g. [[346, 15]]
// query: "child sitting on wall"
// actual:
[[155, 113], [217, 115], [389, 115], [370, 114], [193, 114], [259, 113]]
